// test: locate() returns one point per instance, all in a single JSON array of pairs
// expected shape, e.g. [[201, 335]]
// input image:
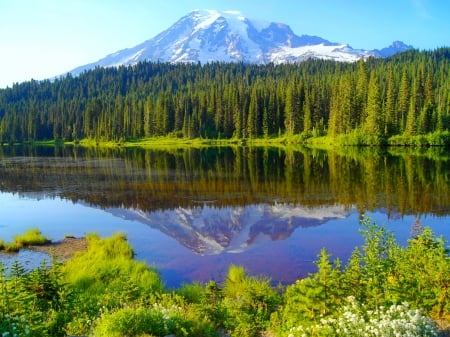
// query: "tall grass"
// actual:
[[109, 264], [32, 237]]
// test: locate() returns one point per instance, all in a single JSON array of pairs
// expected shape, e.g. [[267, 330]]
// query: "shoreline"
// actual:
[[63, 249]]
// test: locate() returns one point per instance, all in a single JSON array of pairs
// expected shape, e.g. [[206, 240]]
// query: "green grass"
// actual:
[[11, 247], [32, 237], [106, 264], [316, 140]]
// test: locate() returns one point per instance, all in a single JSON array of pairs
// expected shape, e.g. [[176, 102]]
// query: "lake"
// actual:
[[191, 213]]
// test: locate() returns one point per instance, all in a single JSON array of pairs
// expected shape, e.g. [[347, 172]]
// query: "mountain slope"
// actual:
[[209, 35]]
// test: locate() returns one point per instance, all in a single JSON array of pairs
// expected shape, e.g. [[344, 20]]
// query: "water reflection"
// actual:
[[407, 183], [210, 230], [215, 201]]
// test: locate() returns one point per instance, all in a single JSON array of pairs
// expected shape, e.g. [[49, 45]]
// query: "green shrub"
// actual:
[[248, 302], [422, 275], [354, 320], [192, 292], [438, 138], [316, 296], [157, 319], [131, 322], [378, 275]]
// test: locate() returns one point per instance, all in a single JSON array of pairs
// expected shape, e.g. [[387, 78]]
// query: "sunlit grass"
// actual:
[[106, 264], [32, 237], [12, 247]]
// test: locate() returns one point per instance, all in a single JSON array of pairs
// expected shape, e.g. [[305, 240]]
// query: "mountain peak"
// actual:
[[395, 48], [208, 35]]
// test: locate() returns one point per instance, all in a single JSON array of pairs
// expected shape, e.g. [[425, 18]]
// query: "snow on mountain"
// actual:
[[228, 36], [210, 230], [394, 48]]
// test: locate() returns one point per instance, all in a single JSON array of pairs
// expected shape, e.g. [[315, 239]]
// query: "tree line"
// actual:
[[407, 94]]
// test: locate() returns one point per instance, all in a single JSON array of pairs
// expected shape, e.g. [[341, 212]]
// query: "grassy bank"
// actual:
[[32, 237], [354, 138]]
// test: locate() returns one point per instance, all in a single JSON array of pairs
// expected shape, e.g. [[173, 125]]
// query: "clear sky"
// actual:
[[43, 38]]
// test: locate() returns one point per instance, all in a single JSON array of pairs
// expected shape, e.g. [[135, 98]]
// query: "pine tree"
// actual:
[[307, 114], [391, 121], [410, 128], [360, 112], [403, 99], [372, 124], [292, 109]]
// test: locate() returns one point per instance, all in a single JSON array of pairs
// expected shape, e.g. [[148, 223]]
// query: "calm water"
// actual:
[[193, 212]]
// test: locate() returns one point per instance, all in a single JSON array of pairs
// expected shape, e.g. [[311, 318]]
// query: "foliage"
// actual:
[[378, 275], [383, 290], [355, 320], [12, 247], [156, 319], [106, 276], [248, 302], [404, 95], [437, 138], [31, 237], [321, 293], [34, 303]]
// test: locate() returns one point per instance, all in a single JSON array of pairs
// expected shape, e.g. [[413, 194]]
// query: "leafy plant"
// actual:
[[355, 320], [248, 302]]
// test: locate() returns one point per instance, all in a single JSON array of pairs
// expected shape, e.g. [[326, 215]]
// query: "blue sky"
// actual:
[[43, 38]]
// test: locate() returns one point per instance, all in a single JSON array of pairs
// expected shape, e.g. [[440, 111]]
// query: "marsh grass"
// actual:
[[108, 265], [11, 247], [32, 237]]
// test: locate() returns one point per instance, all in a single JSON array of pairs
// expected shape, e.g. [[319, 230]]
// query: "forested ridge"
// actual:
[[404, 96]]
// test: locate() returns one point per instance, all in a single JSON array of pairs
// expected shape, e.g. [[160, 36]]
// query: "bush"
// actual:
[[438, 138], [130, 322], [248, 303], [157, 319], [354, 320]]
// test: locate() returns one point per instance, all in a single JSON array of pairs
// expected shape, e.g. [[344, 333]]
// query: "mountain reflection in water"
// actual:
[[209, 230], [258, 203]]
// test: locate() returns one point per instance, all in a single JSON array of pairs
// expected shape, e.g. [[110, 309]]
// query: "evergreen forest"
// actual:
[[401, 100]]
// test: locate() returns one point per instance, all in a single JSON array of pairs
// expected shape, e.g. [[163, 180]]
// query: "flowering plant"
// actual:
[[355, 320]]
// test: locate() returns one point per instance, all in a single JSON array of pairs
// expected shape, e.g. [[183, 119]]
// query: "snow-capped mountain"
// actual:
[[209, 230], [210, 35], [394, 48]]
